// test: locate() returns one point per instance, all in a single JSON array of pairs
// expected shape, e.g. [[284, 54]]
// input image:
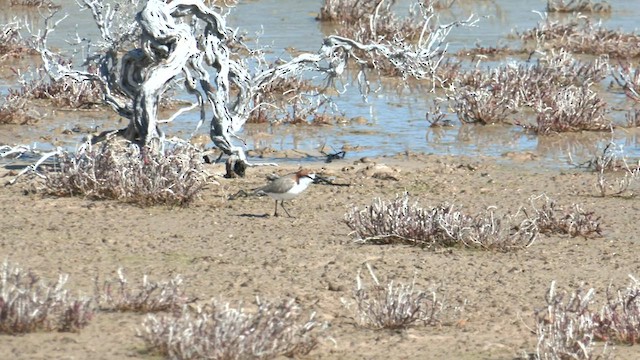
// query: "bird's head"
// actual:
[[305, 175]]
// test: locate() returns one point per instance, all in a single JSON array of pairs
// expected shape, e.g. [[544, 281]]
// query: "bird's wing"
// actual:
[[278, 185]]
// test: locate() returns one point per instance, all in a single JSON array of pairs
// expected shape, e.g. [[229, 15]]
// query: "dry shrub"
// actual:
[[581, 36], [571, 108], [491, 51], [394, 306], [289, 100], [11, 43], [488, 97], [614, 175], [482, 106], [220, 331], [612, 158], [35, 3], [366, 20], [582, 6], [436, 117], [372, 20], [29, 304], [569, 329], [628, 78], [618, 320], [553, 219], [14, 110], [565, 328], [616, 185], [397, 221], [149, 296], [65, 92], [346, 10], [119, 170]]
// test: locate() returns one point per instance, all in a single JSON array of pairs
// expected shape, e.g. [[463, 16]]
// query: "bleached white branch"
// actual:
[[186, 38]]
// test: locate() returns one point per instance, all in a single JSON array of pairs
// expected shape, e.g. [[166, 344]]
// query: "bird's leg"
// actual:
[[285, 209], [275, 213]]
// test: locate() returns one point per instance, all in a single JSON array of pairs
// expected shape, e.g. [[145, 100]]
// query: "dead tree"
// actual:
[[184, 39]]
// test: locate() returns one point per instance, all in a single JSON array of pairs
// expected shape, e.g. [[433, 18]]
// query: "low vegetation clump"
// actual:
[[628, 78], [11, 43], [17, 105], [220, 331], [35, 3], [290, 101], [14, 110], [570, 109], [371, 20], [563, 97], [565, 327], [148, 296], [119, 170], [554, 219], [63, 93], [394, 306], [582, 6], [614, 174], [397, 221], [570, 328], [581, 36], [618, 320], [29, 303], [345, 10]]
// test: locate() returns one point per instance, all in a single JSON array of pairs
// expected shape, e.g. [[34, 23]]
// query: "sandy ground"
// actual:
[[228, 250]]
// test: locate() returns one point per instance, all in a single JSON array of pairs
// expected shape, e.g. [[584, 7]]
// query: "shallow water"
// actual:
[[395, 120]]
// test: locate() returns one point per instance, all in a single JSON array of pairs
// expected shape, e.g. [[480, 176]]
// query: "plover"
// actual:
[[287, 187]]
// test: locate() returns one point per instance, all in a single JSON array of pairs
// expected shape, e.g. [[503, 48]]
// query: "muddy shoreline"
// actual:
[[234, 251]]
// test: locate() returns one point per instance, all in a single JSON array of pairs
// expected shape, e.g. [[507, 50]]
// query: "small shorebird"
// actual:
[[287, 187]]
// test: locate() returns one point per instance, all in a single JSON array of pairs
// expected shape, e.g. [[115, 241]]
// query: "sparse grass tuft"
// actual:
[[607, 165], [582, 6], [553, 87], [66, 92], [619, 319], [553, 219], [580, 35], [372, 20], [11, 43], [149, 296], [14, 110], [35, 3], [219, 331], [628, 78], [29, 304], [397, 221], [345, 10], [571, 108], [569, 328], [394, 306], [565, 326], [114, 169]]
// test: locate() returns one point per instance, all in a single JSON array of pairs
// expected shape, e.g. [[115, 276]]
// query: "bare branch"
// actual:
[[185, 38]]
